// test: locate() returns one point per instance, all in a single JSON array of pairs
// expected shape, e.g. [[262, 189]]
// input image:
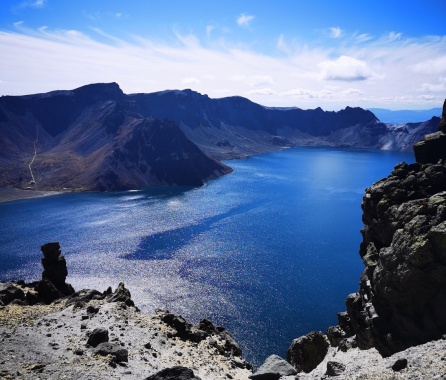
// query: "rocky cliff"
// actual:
[[401, 302]]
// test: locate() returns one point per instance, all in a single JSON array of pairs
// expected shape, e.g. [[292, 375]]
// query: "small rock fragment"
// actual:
[[334, 369], [399, 365]]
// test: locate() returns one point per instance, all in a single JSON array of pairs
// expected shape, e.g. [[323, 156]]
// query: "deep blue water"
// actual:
[[270, 251]]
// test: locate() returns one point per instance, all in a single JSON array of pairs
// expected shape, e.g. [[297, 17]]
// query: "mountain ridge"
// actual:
[[76, 132]]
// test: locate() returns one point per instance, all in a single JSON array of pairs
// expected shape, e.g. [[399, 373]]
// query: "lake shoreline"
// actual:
[[9, 194]]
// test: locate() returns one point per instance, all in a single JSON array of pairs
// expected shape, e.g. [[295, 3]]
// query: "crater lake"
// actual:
[[270, 251]]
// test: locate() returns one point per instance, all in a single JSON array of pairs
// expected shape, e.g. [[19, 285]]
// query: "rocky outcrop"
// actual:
[[305, 353], [401, 300], [273, 368], [55, 268], [52, 286], [402, 297], [433, 147]]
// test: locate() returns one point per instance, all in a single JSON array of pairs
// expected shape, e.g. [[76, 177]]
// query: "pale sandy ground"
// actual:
[[8, 194]]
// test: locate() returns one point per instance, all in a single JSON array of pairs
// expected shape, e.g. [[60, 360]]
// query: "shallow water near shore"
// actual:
[[269, 251]]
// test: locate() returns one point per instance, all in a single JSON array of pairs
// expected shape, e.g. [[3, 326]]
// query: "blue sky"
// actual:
[[332, 54]]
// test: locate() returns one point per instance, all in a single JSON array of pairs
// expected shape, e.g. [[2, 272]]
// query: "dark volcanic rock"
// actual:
[[81, 297], [55, 267], [306, 352], [97, 336], [121, 294], [47, 292], [402, 296], [10, 292], [119, 353], [185, 330], [433, 147], [174, 373], [273, 368], [442, 125], [335, 369], [399, 365]]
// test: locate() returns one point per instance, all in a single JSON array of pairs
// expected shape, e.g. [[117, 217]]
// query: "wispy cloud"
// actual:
[[335, 32], [383, 71], [209, 29], [245, 20], [33, 4]]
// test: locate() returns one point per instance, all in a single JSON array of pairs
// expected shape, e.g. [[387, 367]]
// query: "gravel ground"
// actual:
[[427, 361], [49, 342]]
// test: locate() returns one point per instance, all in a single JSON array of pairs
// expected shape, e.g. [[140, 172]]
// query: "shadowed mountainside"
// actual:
[[98, 138], [87, 139]]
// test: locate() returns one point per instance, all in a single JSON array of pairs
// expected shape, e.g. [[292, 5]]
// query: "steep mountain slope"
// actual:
[[97, 137], [235, 126], [87, 139]]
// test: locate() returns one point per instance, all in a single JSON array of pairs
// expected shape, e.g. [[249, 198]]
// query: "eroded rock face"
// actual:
[[433, 147], [402, 296], [55, 267], [273, 368], [306, 352]]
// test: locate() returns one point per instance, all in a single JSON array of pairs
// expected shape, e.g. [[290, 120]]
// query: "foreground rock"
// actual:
[[273, 368], [102, 335], [100, 339], [433, 146], [306, 352]]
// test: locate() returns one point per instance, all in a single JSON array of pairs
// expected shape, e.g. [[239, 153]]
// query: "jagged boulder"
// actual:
[[433, 147], [10, 292], [174, 373], [81, 297], [334, 368], [97, 336], [307, 352], [121, 294], [273, 368], [118, 353]]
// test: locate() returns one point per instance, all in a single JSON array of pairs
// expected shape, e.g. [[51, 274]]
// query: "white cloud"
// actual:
[[191, 80], [435, 65], [393, 36], [439, 86], [378, 72], [33, 4], [244, 20], [261, 91], [345, 68], [363, 38], [335, 32]]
